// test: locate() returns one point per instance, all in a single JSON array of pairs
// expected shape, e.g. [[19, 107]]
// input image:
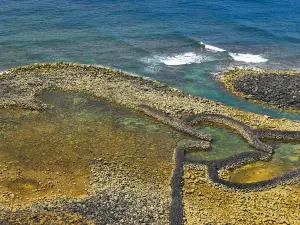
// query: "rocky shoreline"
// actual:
[[281, 89], [20, 85], [127, 200]]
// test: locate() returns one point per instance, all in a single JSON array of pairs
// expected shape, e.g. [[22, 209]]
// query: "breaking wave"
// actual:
[[212, 48], [182, 59], [248, 58]]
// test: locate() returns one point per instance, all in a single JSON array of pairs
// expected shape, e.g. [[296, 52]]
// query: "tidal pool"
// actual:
[[285, 159], [48, 154], [225, 143]]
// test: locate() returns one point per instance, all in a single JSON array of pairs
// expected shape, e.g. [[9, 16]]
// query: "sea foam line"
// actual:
[[182, 59], [196, 58]]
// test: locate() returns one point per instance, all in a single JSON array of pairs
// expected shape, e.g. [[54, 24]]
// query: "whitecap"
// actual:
[[182, 59], [212, 48], [248, 58]]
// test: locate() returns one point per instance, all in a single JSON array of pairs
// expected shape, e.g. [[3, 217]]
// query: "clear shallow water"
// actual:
[[225, 144], [156, 39]]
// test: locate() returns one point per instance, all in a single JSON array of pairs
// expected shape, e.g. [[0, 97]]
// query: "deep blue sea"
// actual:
[[182, 43]]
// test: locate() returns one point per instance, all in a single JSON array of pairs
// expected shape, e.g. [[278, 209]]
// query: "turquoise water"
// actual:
[[224, 144], [158, 39], [84, 108], [90, 112]]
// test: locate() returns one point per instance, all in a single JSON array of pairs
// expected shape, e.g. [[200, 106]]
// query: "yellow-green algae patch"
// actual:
[[150, 166], [285, 159], [48, 155]]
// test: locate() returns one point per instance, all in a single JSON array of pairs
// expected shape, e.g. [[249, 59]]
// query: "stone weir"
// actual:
[[253, 137], [180, 110]]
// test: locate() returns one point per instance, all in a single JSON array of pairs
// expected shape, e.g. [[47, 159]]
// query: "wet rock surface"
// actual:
[[37, 218], [22, 84], [62, 171]]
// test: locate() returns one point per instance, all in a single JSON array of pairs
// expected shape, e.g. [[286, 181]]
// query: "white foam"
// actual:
[[248, 58], [182, 59], [212, 48], [3, 71]]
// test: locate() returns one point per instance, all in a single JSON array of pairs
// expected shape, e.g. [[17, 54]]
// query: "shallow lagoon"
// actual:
[[48, 154], [225, 143]]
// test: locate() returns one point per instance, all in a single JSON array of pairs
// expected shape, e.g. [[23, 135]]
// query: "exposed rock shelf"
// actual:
[[277, 88]]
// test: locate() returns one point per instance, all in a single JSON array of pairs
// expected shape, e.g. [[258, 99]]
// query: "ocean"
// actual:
[[185, 44]]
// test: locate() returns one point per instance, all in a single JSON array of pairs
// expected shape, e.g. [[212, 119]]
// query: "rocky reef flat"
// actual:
[[157, 186], [87, 159], [19, 86], [280, 89]]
